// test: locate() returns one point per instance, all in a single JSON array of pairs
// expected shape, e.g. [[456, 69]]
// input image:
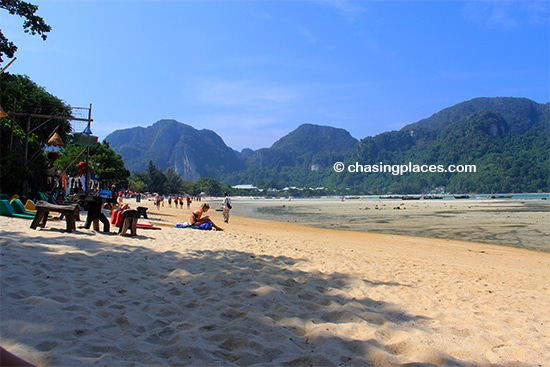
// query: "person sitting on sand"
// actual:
[[122, 205], [197, 218]]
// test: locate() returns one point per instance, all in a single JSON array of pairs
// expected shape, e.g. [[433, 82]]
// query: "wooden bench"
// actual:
[[129, 221], [142, 210], [124, 220], [43, 208]]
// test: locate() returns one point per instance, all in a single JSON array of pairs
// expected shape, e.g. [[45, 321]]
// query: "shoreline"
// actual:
[[511, 223], [267, 293]]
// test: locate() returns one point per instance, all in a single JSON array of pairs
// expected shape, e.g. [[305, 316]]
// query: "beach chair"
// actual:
[[19, 208], [46, 197], [29, 206], [7, 210]]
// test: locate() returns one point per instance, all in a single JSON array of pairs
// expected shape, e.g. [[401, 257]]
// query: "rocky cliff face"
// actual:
[[507, 138], [190, 152]]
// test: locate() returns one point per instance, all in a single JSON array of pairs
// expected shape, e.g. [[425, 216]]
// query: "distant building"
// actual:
[[245, 187]]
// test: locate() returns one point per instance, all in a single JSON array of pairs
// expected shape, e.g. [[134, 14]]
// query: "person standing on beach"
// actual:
[[226, 207], [157, 201]]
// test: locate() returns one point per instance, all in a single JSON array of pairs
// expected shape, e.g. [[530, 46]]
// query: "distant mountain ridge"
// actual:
[[521, 113], [508, 138], [190, 152]]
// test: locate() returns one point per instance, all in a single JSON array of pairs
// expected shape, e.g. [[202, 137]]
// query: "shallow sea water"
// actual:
[[523, 222]]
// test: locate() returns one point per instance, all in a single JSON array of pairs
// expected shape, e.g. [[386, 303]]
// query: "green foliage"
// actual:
[[22, 162], [157, 179], [102, 160], [208, 186], [154, 180], [33, 24], [506, 138], [139, 182], [508, 158], [15, 175], [169, 144], [300, 158], [174, 182]]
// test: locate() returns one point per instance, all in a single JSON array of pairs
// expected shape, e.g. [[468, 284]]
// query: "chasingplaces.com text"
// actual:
[[401, 169]]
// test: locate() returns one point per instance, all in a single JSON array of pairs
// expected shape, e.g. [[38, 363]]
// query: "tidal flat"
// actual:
[[507, 222]]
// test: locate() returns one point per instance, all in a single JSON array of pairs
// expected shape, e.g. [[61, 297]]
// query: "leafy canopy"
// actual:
[[32, 24]]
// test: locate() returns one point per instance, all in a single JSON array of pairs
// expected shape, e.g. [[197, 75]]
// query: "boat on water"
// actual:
[[432, 197], [500, 196], [461, 196], [411, 197]]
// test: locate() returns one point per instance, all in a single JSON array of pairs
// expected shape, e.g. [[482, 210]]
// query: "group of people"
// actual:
[[179, 200], [198, 217]]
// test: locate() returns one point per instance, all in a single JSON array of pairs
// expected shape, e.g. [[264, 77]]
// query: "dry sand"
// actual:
[[268, 293]]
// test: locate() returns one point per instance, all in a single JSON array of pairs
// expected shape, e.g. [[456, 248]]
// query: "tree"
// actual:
[[109, 165], [173, 182], [33, 24], [157, 179], [102, 161], [209, 186], [22, 157], [139, 182]]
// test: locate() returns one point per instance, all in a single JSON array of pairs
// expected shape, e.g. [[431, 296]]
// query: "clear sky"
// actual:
[[253, 71]]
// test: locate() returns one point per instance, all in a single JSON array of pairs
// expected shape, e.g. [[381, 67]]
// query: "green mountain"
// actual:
[[507, 139], [297, 159], [170, 144]]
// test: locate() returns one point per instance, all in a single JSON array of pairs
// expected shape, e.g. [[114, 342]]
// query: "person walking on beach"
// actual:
[[157, 201], [226, 207], [188, 200]]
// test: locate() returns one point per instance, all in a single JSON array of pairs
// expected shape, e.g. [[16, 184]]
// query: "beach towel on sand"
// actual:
[[205, 226]]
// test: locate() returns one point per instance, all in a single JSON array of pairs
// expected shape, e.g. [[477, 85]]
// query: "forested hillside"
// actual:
[[507, 139], [170, 144], [509, 146]]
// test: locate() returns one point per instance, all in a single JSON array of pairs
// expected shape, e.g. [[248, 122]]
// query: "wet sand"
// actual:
[[517, 223]]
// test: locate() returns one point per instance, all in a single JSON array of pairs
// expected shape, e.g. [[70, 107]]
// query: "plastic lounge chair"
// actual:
[[44, 196], [7, 210], [19, 208], [29, 206]]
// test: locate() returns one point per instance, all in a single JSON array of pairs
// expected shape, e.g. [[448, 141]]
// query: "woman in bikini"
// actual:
[[197, 219]]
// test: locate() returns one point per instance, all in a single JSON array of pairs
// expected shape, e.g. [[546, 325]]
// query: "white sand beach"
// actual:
[[267, 293]]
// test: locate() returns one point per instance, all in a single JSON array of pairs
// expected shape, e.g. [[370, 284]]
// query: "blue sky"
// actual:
[[253, 71]]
